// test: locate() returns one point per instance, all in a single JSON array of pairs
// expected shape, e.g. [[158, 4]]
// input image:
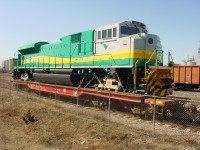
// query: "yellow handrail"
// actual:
[[145, 76], [135, 73]]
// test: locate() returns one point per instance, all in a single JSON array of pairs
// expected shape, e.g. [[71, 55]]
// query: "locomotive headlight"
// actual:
[[140, 35]]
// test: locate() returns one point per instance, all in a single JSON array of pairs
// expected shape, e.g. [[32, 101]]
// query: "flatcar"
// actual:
[[120, 56]]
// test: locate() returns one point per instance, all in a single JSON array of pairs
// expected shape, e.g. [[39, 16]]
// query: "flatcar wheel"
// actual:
[[146, 111]]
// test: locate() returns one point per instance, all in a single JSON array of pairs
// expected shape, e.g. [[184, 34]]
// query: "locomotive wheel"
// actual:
[[159, 82], [101, 104]]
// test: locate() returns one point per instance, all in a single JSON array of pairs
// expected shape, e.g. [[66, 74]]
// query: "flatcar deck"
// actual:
[[78, 92]]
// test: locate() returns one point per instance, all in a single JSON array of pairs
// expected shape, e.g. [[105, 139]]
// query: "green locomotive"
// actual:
[[115, 57]]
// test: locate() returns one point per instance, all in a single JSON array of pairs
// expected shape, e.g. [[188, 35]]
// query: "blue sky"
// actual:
[[177, 22]]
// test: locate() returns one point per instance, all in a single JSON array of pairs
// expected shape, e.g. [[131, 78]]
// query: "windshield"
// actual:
[[129, 30]]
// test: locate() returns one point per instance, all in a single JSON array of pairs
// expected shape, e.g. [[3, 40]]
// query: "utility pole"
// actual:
[[199, 45]]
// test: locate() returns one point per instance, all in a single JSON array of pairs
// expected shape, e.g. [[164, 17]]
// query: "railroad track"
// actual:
[[187, 94]]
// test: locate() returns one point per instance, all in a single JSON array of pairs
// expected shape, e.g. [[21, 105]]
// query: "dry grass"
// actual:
[[191, 140]]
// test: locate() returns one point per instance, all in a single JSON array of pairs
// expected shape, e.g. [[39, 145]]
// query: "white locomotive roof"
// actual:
[[106, 26], [116, 24]]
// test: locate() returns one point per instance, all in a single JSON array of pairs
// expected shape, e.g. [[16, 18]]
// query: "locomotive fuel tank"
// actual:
[[62, 79]]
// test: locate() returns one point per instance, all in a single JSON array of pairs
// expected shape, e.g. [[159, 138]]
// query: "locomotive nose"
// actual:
[[153, 42]]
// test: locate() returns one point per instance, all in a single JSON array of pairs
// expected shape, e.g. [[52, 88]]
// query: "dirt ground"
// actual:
[[29, 122]]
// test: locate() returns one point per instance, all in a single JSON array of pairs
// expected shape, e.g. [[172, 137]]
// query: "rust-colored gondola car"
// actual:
[[186, 77]]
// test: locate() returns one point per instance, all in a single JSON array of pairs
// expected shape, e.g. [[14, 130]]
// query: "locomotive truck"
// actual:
[[121, 57]]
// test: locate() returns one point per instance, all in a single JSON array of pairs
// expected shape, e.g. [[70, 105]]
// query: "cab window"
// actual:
[[114, 32], [109, 33], [129, 30], [99, 35], [104, 34]]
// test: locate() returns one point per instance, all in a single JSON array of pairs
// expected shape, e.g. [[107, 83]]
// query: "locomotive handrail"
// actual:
[[43, 62], [49, 61], [71, 53], [55, 62], [145, 71], [33, 62], [62, 62], [135, 74]]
